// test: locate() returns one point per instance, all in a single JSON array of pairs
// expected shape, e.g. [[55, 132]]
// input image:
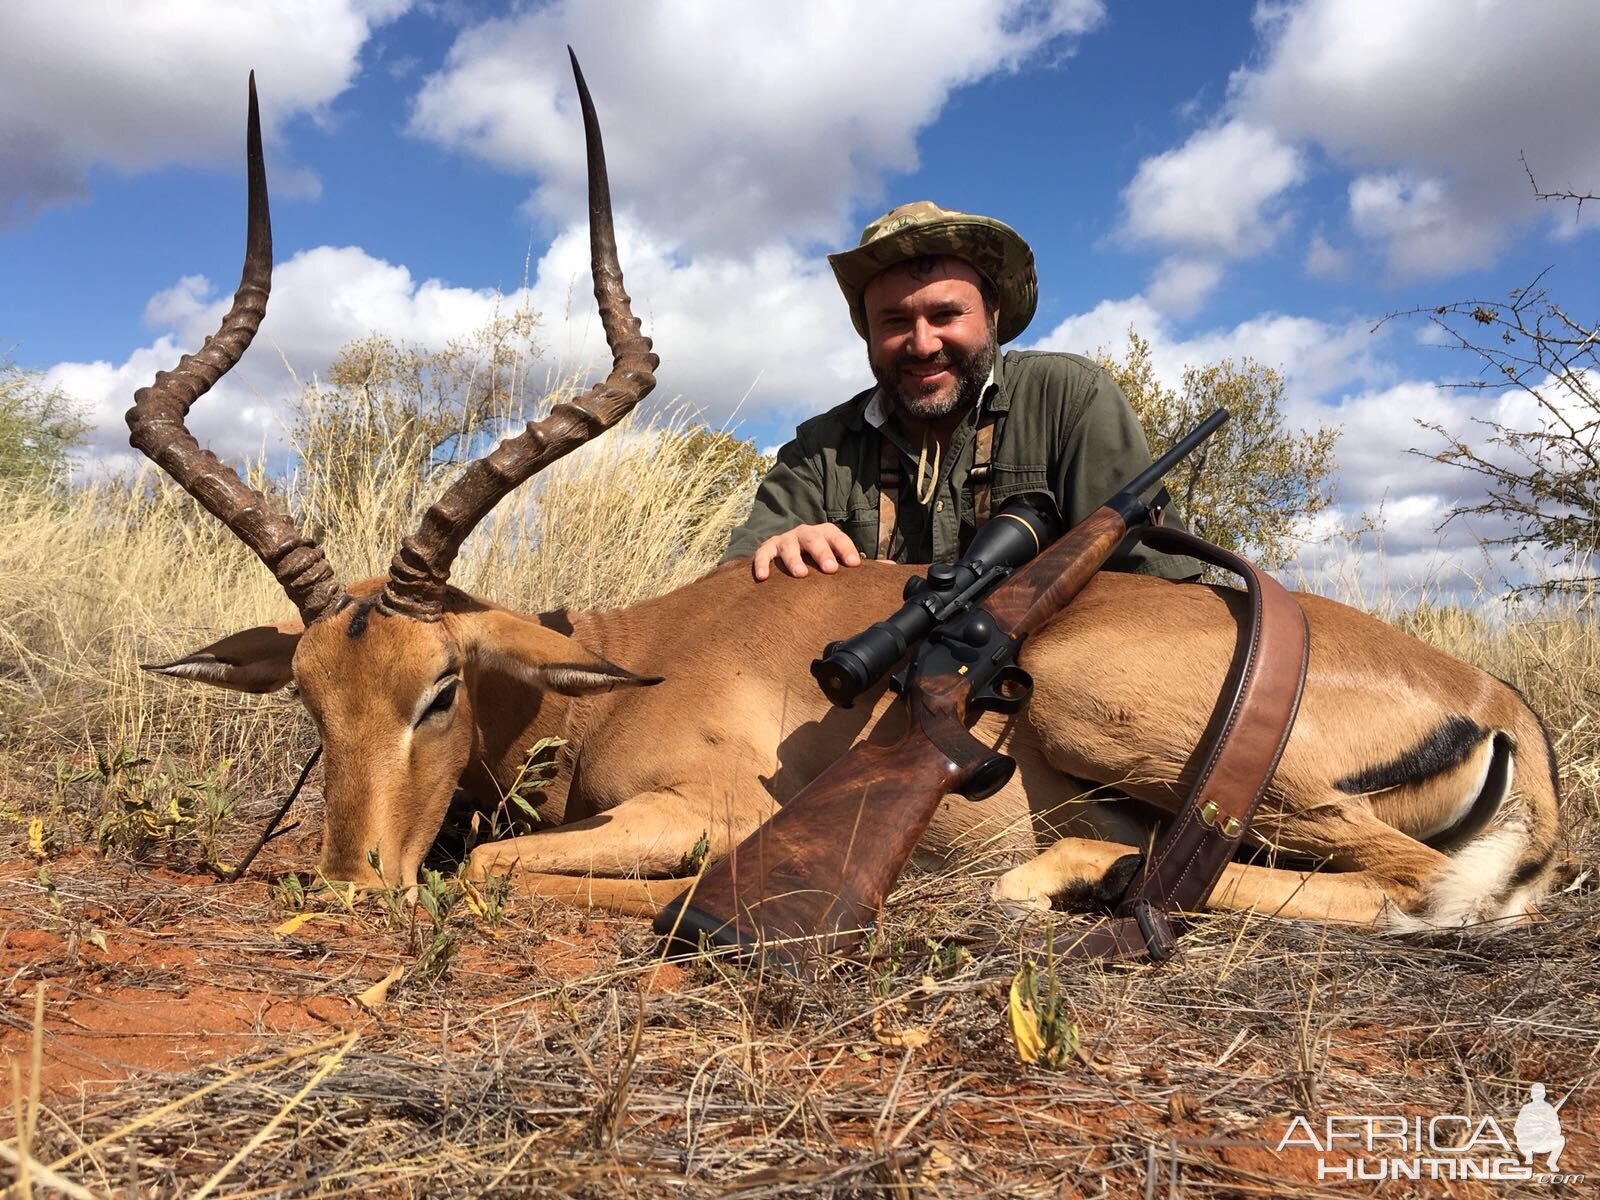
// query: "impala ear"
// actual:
[[252, 660], [522, 647]]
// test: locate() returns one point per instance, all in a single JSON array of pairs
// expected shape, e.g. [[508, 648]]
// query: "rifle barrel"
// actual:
[[1154, 473]]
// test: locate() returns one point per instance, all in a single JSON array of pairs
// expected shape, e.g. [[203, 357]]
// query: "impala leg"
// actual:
[[1076, 866], [649, 834], [1350, 836], [628, 897], [1072, 867]]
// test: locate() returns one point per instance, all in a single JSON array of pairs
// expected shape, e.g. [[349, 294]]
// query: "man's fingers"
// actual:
[[814, 541], [761, 561], [842, 546], [793, 561], [826, 545]]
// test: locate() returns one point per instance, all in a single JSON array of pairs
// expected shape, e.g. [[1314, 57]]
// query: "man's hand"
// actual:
[[826, 545]]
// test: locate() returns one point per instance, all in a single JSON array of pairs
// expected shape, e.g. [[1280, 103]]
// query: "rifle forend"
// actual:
[[812, 880]]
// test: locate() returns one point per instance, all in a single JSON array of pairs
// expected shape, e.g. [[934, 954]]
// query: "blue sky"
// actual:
[[1228, 179]]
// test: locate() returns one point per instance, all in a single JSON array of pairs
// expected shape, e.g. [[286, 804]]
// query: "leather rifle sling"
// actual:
[[888, 491], [982, 475], [1267, 679]]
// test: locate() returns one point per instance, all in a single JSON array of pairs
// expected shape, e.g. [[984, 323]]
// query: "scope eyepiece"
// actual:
[[848, 668]]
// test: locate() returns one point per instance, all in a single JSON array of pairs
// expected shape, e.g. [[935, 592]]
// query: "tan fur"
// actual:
[[1127, 678]]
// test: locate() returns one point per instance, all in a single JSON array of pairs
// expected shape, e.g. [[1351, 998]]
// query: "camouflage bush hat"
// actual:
[[922, 227]]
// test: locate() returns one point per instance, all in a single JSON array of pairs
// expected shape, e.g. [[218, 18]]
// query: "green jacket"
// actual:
[[1062, 428]]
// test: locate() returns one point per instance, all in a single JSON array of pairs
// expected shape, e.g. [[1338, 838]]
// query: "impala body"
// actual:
[[1426, 785]]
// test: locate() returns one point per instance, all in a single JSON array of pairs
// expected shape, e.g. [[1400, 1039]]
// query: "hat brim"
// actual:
[[994, 250]]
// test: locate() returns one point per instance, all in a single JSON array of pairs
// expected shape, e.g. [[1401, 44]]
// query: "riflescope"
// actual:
[[1016, 533]]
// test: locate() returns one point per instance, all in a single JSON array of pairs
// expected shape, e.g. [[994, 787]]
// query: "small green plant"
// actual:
[[126, 821], [885, 959], [436, 896], [694, 861], [533, 776], [48, 883], [342, 891], [289, 892], [945, 958], [517, 811], [487, 897], [142, 814], [207, 803], [1041, 1024], [393, 897]]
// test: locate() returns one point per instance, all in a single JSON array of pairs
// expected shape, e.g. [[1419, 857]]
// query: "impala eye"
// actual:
[[442, 700]]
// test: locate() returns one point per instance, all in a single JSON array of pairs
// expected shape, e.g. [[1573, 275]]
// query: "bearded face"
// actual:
[[930, 336], [930, 388]]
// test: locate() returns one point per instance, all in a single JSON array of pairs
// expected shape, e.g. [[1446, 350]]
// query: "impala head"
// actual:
[[390, 669]]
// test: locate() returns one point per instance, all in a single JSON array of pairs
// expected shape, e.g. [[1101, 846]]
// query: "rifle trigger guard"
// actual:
[[1008, 692]]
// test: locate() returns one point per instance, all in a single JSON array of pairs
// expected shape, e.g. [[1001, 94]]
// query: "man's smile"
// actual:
[[927, 372]]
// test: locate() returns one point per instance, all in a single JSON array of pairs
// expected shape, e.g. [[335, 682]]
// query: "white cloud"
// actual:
[[178, 304], [1379, 431], [140, 85], [1214, 194], [731, 125], [1216, 197], [766, 331], [1433, 102], [1325, 260], [1428, 105], [786, 344], [1421, 224], [1335, 375], [1181, 284], [1105, 327], [1317, 358], [321, 298]]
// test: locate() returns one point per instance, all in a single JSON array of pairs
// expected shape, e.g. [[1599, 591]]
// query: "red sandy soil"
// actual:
[[192, 971]]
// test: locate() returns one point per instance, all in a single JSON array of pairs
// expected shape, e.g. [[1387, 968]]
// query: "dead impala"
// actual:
[[1427, 785]]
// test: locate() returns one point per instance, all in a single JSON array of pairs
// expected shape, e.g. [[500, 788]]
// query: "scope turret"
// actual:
[[1017, 533]]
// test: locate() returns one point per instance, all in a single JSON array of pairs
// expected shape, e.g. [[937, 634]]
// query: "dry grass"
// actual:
[[521, 1074], [560, 1059]]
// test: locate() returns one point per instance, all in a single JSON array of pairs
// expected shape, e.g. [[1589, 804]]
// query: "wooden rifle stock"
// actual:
[[812, 880]]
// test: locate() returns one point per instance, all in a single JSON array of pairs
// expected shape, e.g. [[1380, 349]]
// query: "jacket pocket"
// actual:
[[1012, 481], [860, 526]]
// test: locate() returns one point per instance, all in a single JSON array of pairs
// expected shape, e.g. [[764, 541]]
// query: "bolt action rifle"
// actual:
[[812, 879]]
